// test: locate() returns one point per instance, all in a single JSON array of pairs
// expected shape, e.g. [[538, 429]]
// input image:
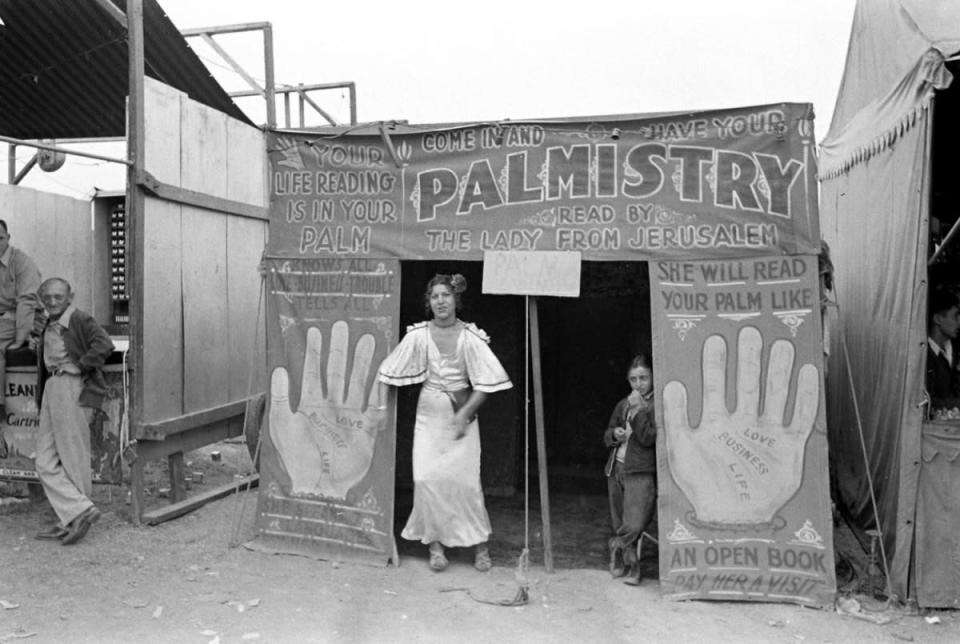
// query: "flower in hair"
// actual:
[[458, 282]]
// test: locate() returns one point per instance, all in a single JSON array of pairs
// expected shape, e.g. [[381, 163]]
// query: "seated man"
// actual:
[[943, 376]]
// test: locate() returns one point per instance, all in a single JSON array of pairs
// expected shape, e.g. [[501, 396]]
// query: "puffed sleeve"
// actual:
[[484, 370], [407, 363]]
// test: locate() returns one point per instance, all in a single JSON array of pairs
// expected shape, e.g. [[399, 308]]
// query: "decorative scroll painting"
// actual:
[[731, 183], [327, 452], [744, 503]]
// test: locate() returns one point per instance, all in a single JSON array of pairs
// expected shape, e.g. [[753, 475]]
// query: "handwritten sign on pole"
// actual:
[[554, 273]]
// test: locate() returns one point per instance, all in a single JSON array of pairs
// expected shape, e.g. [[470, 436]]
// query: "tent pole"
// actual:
[[541, 440], [946, 242]]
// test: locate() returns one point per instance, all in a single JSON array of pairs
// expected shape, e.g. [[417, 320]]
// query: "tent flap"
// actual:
[[882, 122]]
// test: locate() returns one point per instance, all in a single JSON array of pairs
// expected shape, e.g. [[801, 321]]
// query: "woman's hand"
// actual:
[[619, 433], [459, 426]]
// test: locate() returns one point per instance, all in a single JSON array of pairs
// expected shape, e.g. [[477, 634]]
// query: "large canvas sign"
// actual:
[[327, 454], [744, 502], [729, 183]]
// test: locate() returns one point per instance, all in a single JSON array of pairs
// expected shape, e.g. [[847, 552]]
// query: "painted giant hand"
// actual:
[[741, 467], [326, 445]]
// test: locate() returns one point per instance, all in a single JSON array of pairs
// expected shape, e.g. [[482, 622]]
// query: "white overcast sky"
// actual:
[[430, 61]]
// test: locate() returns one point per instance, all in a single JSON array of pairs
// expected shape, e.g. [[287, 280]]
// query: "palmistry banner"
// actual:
[[327, 453], [744, 502], [729, 183]]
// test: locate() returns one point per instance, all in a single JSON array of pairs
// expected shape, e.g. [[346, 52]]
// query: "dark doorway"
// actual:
[[586, 346]]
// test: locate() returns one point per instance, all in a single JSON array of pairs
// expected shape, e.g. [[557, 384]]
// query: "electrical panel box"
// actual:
[[111, 299], [119, 295]]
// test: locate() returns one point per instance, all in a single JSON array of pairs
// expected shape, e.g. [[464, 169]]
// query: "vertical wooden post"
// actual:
[[353, 104], [11, 163], [541, 437], [177, 470], [136, 133], [269, 81]]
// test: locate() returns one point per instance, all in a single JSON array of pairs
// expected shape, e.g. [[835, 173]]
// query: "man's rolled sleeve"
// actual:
[[27, 278]]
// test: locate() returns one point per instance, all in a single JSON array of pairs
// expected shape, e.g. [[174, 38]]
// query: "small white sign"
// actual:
[[544, 272]]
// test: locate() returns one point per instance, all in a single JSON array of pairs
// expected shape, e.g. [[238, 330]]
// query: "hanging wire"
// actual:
[[34, 74], [863, 449], [125, 418]]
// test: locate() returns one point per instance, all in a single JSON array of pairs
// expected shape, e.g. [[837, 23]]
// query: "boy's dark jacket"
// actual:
[[641, 456], [88, 347]]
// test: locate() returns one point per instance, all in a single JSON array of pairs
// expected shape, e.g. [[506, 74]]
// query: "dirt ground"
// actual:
[[191, 580]]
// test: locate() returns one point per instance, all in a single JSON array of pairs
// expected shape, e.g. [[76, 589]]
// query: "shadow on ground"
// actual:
[[580, 530]]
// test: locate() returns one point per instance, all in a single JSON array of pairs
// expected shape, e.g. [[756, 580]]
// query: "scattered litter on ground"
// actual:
[[250, 636], [932, 619], [158, 612], [521, 598], [8, 605], [242, 606], [18, 634], [902, 636], [389, 592], [776, 623], [852, 607]]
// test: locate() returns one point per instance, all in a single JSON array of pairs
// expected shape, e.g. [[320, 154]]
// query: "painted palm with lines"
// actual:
[[741, 466], [327, 444]]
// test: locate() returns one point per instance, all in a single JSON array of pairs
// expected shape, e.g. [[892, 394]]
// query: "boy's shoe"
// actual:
[[633, 577], [617, 568]]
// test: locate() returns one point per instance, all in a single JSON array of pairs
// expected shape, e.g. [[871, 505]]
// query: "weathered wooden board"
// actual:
[[203, 133], [246, 182], [163, 350], [200, 274]]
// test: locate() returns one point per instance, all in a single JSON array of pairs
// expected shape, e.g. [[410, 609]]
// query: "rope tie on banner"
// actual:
[[866, 458], [253, 415]]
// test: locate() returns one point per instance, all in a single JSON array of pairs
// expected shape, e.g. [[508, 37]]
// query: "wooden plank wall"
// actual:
[[55, 231], [201, 288]]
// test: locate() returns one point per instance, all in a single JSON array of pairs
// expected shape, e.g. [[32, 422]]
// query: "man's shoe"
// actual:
[[78, 528], [53, 533]]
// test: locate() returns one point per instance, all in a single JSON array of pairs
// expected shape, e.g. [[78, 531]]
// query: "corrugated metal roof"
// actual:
[[63, 68]]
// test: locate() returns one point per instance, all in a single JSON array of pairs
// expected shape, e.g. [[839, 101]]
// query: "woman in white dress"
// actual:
[[457, 370]]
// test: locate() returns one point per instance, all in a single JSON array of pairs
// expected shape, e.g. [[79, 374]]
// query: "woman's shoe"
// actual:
[[481, 560], [438, 561]]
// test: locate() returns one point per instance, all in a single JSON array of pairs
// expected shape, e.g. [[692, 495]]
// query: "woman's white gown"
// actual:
[[448, 501]]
